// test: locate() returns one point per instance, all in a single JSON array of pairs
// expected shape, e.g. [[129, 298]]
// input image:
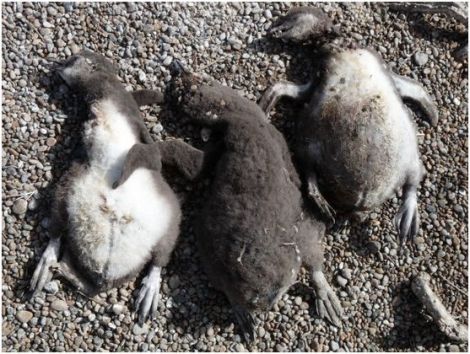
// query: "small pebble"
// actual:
[[59, 305], [239, 347], [280, 347], [341, 281], [210, 332], [117, 309], [420, 58], [346, 273], [158, 128], [50, 142], [167, 61], [20, 206], [24, 316], [374, 247], [139, 330], [51, 287], [174, 282], [334, 346]]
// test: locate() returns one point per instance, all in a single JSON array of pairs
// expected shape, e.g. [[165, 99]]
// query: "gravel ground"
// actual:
[[226, 41]]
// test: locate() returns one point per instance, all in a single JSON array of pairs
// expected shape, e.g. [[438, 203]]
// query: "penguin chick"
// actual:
[[252, 232], [108, 235], [357, 143]]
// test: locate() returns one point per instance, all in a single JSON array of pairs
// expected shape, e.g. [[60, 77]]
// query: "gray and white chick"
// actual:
[[107, 225], [357, 142]]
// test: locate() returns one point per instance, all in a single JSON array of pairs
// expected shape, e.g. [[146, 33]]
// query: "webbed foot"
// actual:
[[66, 270], [247, 323], [43, 272], [340, 224], [327, 303], [407, 220], [147, 300]]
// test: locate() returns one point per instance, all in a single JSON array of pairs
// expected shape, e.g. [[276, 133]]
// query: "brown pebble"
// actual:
[[51, 142], [24, 316], [59, 305]]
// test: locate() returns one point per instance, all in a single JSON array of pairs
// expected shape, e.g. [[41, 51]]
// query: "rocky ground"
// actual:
[[228, 42]]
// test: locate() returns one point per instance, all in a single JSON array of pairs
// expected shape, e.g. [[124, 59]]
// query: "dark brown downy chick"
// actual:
[[252, 232]]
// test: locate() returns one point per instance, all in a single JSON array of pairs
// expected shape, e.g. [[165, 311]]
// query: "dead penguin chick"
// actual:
[[251, 231], [108, 235], [357, 143]]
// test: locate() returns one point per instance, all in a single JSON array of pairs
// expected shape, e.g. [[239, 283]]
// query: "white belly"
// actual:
[[356, 75], [115, 231], [356, 82], [359, 75]]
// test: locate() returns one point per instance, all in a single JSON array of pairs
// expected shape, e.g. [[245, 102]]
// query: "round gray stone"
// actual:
[[139, 330], [334, 345], [174, 282], [341, 281], [20, 207], [52, 287], [420, 58], [118, 309]]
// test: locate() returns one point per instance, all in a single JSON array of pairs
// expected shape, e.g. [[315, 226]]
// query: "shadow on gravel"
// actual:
[[412, 329], [196, 305], [422, 28], [61, 155], [301, 66]]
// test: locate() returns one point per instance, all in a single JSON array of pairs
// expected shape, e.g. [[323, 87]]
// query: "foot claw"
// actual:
[[320, 307], [324, 207], [407, 222], [282, 30], [328, 305], [147, 300], [42, 274], [283, 89], [268, 100], [340, 225], [154, 308], [247, 323]]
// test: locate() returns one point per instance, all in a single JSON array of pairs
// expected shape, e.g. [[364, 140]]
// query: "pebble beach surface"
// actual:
[[228, 41]]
